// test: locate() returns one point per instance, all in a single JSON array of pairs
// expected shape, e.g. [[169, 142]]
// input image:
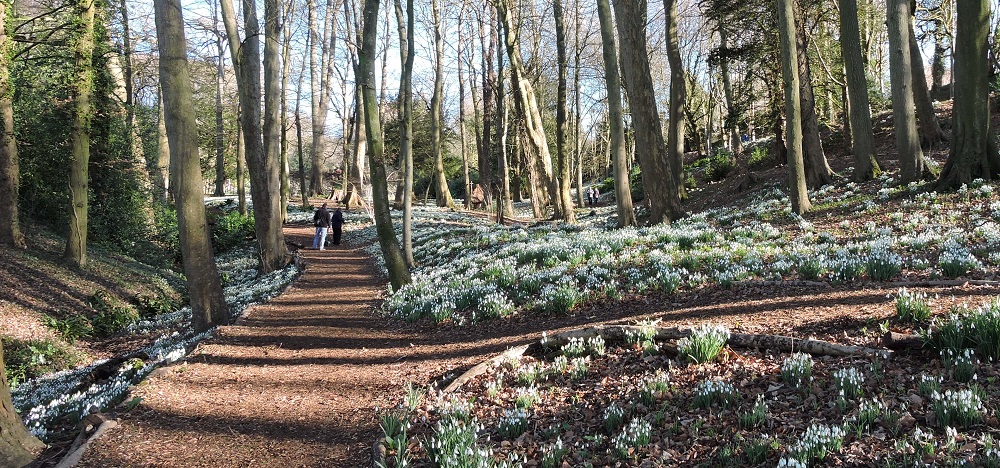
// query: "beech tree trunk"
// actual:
[[163, 166], [440, 180], [10, 175], [678, 95], [798, 193], [220, 154], [973, 154], [623, 190], [534, 128], [83, 87], [17, 446], [732, 114], [817, 169], [393, 256], [659, 175], [562, 160], [863, 139], [911, 157], [406, 134], [930, 131], [208, 306], [487, 42]]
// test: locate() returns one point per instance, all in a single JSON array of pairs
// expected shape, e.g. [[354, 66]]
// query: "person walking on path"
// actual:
[[337, 223], [322, 221]]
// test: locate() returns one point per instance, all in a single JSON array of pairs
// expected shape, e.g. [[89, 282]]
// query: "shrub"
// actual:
[[71, 328], [111, 315], [231, 230], [704, 343], [720, 165], [26, 360], [758, 156]]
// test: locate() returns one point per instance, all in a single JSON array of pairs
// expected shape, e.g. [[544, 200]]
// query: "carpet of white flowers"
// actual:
[[57, 400], [641, 403], [470, 270]]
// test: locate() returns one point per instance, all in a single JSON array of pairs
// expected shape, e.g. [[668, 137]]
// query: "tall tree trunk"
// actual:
[[393, 256], [241, 178], [10, 174], [798, 195], [303, 189], [863, 140], [938, 91], [660, 176], [911, 158], [406, 135], [440, 180], [83, 88], [208, 306], [163, 166], [817, 169], [263, 167], [973, 154], [320, 72], [502, 116], [524, 92], [577, 134], [732, 113], [490, 122], [220, 153], [272, 113], [562, 160], [623, 190], [286, 69], [461, 112], [678, 96], [930, 131], [17, 446]]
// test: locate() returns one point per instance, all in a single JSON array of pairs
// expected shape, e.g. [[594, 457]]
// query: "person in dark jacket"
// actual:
[[322, 221], [337, 222]]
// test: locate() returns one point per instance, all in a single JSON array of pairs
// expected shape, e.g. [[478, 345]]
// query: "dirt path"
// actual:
[[295, 383]]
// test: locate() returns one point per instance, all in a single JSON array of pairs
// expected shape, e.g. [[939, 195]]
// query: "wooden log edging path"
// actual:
[[617, 333]]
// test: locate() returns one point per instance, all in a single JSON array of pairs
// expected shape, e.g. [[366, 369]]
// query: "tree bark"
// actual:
[[83, 87], [208, 305], [490, 122], [17, 446], [863, 139], [817, 169], [911, 158], [678, 94], [10, 174], [286, 67], [798, 195], [562, 160], [660, 176], [437, 147], [613, 82], [406, 134], [732, 114], [461, 112], [241, 177], [972, 155], [320, 73], [930, 131], [220, 154], [274, 159], [398, 274], [163, 166], [534, 128]]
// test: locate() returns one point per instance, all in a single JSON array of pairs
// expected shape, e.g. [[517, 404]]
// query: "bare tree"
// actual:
[[623, 190], [440, 181], [391, 253], [660, 176], [208, 306], [799, 195], [562, 160], [911, 157], [973, 152]]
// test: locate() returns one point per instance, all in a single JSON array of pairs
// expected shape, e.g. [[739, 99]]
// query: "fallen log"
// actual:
[[942, 283], [901, 341], [484, 366], [617, 333]]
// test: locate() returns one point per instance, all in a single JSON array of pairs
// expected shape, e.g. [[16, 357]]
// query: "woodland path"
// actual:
[[296, 382]]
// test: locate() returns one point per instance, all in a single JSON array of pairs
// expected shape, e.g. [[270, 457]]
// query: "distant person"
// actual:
[[322, 221], [597, 195], [590, 196], [337, 222]]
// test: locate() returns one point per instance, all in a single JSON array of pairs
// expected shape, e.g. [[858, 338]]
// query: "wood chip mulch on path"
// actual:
[[296, 382]]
